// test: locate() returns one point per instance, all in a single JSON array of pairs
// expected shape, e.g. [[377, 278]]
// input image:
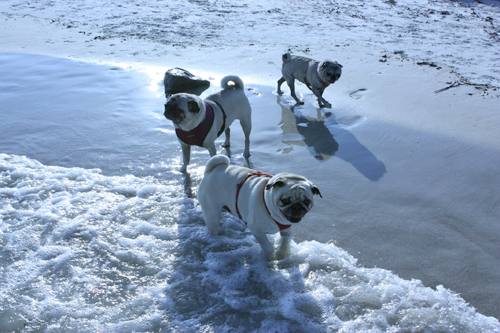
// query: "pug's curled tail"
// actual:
[[232, 78], [215, 161], [286, 57]]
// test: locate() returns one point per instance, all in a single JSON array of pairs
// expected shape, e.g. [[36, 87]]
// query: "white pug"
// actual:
[[199, 122], [314, 74], [265, 203]]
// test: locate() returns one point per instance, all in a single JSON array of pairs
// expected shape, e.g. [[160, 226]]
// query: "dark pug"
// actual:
[[314, 74]]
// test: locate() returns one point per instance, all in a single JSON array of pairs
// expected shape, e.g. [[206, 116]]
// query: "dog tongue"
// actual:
[[294, 218]]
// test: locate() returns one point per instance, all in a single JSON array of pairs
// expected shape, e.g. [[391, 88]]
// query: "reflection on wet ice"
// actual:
[[327, 140]]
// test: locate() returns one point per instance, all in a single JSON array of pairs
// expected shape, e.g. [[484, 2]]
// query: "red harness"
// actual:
[[316, 64], [196, 136], [238, 188]]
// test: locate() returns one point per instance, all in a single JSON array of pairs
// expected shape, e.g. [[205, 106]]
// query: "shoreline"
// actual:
[[395, 93]]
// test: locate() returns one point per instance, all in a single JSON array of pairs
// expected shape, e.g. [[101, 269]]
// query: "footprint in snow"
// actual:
[[357, 94], [254, 91]]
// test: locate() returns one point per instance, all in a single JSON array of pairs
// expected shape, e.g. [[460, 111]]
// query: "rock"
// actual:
[[179, 80]]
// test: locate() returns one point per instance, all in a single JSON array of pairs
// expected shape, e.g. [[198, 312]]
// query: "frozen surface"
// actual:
[[114, 239], [100, 232], [464, 37], [93, 253]]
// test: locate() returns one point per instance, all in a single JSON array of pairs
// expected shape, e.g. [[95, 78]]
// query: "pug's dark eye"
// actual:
[[285, 201], [307, 202]]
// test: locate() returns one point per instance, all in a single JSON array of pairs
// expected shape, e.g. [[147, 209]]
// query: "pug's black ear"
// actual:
[[341, 66], [315, 190], [277, 182], [193, 107]]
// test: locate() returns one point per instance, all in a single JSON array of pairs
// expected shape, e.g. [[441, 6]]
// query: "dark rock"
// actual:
[[179, 80]]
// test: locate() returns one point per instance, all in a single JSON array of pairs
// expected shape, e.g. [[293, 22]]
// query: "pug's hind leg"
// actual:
[[212, 150], [291, 84], [280, 82], [227, 142], [246, 125]]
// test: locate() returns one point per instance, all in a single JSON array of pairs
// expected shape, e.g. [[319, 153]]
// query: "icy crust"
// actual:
[[451, 33], [83, 252]]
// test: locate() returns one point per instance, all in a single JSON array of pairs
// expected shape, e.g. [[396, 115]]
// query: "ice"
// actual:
[[123, 268], [133, 254], [100, 232]]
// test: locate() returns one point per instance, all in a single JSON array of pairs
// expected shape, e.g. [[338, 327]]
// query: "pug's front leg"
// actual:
[[186, 155], [266, 246], [321, 101], [284, 248], [324, 103]]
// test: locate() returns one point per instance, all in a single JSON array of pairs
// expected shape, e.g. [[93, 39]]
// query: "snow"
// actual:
[[100, 232]]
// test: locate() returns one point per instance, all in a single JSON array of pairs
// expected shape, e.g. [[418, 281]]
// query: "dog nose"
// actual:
[[297, 209]]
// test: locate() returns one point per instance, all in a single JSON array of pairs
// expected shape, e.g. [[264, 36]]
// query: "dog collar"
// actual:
[[316, 64], [325, 84], [280, 226], [196, 136], [238, 188]]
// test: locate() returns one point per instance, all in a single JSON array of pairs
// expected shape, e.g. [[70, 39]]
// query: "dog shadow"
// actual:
[[188, 185], [224, 281], [314, 134], [324, 141]]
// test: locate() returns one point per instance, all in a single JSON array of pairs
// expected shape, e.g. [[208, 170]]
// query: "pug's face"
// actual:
[[292, 195], [182, 108], [330, 71]]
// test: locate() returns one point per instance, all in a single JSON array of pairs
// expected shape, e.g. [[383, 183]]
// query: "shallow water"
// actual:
[[76, 114], [100, 232]]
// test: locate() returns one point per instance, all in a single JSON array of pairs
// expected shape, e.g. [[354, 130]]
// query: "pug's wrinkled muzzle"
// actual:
[[173, 114], [296, 212], [334, 78]]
